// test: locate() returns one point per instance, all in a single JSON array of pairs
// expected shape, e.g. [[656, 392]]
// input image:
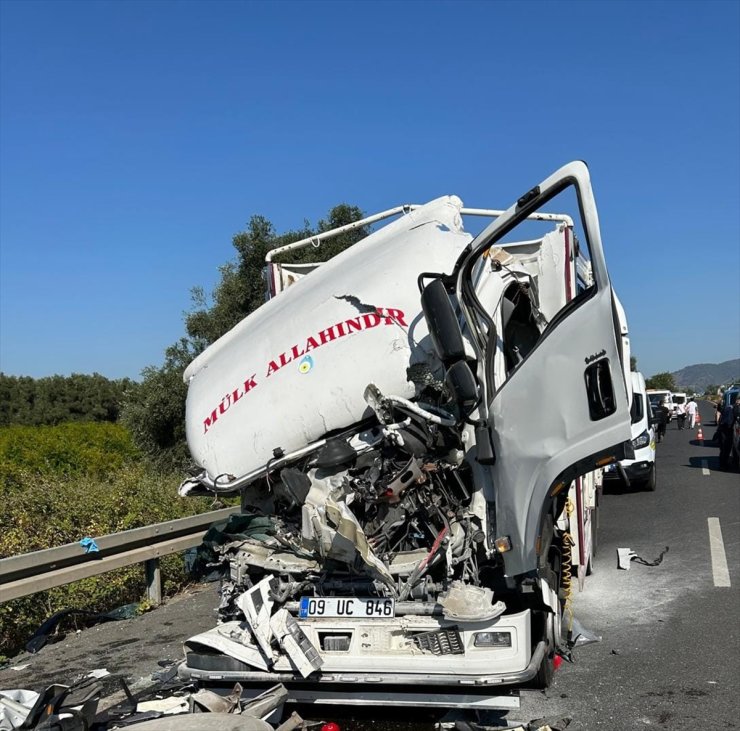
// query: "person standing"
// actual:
[[680, 416], [692, 408], [724, 434], [662, 414]]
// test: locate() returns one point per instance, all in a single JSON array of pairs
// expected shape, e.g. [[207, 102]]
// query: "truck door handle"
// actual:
[[599, 390]]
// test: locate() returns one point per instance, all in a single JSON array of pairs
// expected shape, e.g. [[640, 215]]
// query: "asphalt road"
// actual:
[[669, 655]]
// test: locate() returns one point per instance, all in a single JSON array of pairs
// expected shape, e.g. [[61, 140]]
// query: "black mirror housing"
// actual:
[[461, 382], [442, 323]]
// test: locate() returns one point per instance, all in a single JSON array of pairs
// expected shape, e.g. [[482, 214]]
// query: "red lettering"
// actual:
[[367, 320], [272, 368], [296, 353], [209, 421], [283, 360], [339, 327], [326, 335], [353, 324], [311, 344], [236, 395], [398, 316], [250, 383]]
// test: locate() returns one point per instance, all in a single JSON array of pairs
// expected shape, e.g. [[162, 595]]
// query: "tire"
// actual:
[[545, 671], [651, 483], [543, 678]]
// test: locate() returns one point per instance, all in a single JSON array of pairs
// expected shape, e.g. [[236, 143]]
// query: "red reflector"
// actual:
[[331, 726], [557, 661]]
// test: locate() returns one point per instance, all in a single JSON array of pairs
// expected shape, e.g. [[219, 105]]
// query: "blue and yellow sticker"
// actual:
[[305, 365]]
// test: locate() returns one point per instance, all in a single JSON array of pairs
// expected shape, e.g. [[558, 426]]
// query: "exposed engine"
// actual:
[[381, 511]]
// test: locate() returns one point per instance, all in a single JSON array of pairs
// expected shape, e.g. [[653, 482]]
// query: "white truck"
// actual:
[[416, 429]]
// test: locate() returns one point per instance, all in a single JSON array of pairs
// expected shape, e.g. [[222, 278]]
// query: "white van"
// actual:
[[640, 471], [660, 396]]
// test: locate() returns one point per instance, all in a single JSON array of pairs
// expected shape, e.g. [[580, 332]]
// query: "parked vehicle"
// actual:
[[640, 471], [730, 394], [729, 398], [662, 396], [416, 429]]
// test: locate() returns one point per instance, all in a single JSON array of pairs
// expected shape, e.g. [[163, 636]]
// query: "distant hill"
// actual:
[[701, 375]]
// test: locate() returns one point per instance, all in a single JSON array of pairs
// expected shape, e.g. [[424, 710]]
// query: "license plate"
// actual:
[[353, 607]]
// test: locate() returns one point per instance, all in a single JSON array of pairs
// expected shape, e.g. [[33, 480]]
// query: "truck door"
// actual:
[[564, 409]]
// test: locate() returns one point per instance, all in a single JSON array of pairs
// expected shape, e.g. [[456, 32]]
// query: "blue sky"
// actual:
[[137, 137]]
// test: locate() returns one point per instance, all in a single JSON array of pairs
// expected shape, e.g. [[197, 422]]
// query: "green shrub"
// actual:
[[76, 449], [46, 512]]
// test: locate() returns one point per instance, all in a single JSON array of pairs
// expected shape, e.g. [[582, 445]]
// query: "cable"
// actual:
[[566, 569]]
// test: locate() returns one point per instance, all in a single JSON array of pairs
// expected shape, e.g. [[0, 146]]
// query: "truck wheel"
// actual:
[[543, 679], [651, 482], [545, 671]]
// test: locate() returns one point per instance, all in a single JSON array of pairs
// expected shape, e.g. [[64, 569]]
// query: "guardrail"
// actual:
[[40, 570]]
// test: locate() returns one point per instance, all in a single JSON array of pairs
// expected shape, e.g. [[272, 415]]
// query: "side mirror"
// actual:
[[461, 382], [442, 323]]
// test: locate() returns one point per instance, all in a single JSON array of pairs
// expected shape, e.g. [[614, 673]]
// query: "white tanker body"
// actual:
[[402, 423], [297, 368]]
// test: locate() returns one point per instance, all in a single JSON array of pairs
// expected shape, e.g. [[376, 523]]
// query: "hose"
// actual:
[[566, 569], [443, 419]]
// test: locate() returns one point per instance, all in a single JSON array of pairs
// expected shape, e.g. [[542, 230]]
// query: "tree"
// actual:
[[56, 399], [154, 410], [662, 381], [633, 363]]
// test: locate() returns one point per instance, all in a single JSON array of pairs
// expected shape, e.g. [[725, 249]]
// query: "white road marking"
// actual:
[[705, 467], [720, 572]]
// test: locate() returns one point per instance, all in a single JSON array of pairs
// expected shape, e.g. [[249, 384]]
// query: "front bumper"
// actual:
[[638, 468], [381, 654]]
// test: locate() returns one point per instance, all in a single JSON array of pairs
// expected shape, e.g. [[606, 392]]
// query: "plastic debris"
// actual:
[[264, 704], [98, 673], [256, 604], [579, 635], [466, 603], [89, 545], [295, 644], [212, 702], [233, 639], [165, 706], [626, 555]]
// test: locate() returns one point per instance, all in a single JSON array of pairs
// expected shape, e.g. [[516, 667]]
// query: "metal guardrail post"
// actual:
[[153, 581]]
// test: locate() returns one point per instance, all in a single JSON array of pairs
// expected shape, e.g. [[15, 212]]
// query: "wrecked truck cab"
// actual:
[[408, 425]]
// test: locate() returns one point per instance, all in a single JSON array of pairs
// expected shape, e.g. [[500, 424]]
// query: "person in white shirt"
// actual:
[[680, 416], [692, 410]]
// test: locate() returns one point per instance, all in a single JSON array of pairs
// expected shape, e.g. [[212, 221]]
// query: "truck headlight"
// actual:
[[642, 441], [492, 639]]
